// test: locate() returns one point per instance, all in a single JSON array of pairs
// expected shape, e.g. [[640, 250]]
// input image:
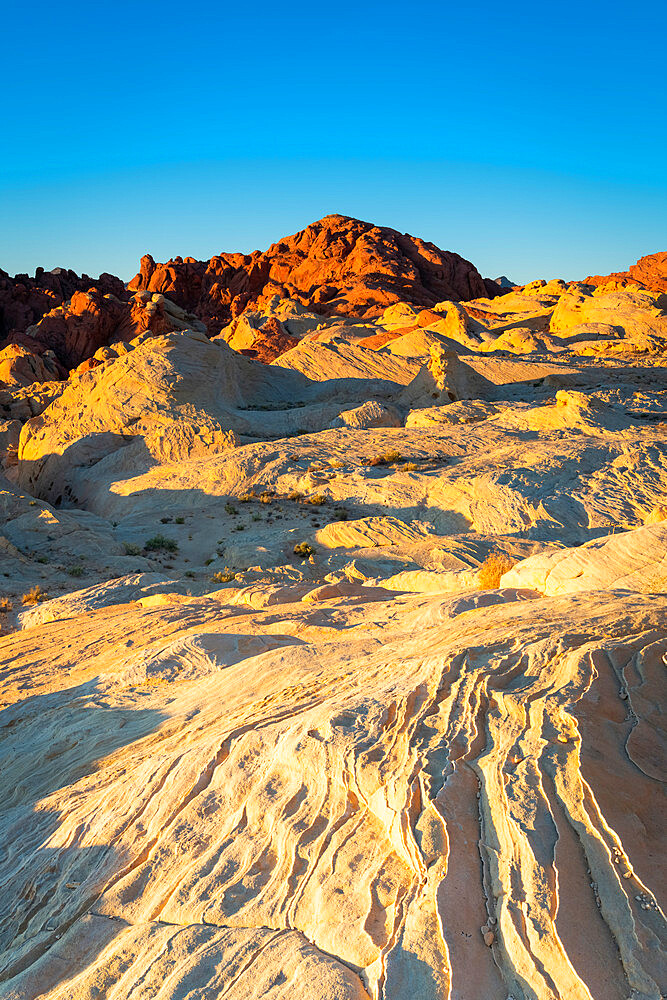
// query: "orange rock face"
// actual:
[[24, 300], [649, 272], [90, 320], [337, 265]]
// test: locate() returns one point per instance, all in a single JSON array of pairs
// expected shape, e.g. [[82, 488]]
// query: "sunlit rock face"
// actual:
[[332, 647], [649, 272]]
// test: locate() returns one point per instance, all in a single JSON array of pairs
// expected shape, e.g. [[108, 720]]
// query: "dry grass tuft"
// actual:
[[225, 575], [34, 596], [5, 605], [386, 458], [492, 569]]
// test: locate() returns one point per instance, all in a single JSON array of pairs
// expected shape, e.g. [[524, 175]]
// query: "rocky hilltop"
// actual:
[[337, 265], [333, 632], [649, 272]]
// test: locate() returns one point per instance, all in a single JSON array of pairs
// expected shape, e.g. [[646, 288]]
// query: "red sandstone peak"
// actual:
[[335, 265]]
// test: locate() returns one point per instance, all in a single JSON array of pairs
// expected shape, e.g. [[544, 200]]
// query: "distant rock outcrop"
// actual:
[[24, 300], [337, 265], [649, 272], [90, 320]]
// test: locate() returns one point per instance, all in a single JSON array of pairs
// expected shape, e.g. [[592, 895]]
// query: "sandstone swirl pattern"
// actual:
[[345, 799]]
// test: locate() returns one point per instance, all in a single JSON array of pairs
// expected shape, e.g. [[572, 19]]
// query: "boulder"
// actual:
[[445, 378]]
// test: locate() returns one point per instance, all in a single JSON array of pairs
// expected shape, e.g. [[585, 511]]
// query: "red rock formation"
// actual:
[[337, 265], [90, 320], [649, 272], [270, 342], [24, 300]]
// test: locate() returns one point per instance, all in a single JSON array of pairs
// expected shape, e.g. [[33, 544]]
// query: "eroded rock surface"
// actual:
[[342, 675]]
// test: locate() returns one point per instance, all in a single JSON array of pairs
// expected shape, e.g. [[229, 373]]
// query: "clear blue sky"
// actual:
[[531, 138]]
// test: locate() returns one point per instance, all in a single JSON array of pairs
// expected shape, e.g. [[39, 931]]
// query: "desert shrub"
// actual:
[[266, 498], [335, 464], [225, 575], [131, 549], [230, 508], [161, 543], [247, 497], [492, 569], [304, 550], [165, 520], [410, 467], [256, 517], [295, 495], [386, 458], [5, 605], [76, 571], [179, 520], [34, 596], [341, 514], [317, 499], [238, 527], [189, 573]]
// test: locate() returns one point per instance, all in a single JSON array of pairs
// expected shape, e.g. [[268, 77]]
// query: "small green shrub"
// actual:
[[76, 571], [131, 549], [160, 543], [179, 520], [230, 508], [304, 550]]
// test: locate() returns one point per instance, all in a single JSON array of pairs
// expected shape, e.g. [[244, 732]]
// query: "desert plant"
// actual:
[[386, 458], [304, 550], [76, 571], [317, 499], [131, 549], [230, 508], [247, 497], [5, 605], [179, 520], [295, 495], [161, 543], [492, 569], [34, 596], [410, 467], [225, 575]]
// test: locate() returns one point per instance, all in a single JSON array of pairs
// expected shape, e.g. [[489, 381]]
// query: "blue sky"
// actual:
[[530, 138]]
